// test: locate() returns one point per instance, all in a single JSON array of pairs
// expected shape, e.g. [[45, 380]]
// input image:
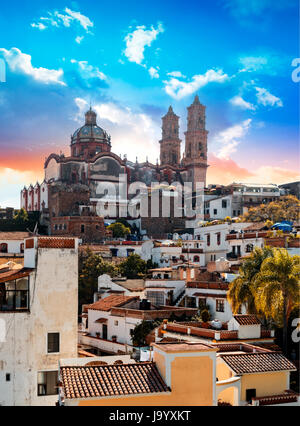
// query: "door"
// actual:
[[104, 331]]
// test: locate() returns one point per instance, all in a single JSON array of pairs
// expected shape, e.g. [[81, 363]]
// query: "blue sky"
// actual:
[[133, 59]]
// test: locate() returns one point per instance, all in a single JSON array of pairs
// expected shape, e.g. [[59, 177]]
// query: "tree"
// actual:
[[21, 216], [119, 230], [241, 290], [286, 208], [133, 267], [205, 315], [141, 331], [277, 288], [91, 266]]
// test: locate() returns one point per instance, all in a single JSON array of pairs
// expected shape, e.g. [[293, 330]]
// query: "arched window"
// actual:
[[3, 248], [196, 259], [249, 248]]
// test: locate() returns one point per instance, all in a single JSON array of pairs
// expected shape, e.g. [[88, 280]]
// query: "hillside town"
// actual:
[[103, 303]]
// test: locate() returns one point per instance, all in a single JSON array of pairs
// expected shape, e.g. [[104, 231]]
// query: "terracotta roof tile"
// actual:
[[110, 302], [247, 319], [14, 236], [258, 362], [15, 274], [111, 380]]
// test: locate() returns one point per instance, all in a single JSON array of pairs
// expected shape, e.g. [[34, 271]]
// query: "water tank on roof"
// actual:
[[145, 305], [216, 324]]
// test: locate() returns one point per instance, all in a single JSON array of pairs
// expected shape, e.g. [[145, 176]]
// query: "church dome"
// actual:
[[90, 132]]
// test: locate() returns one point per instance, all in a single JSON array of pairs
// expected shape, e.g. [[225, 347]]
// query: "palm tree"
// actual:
[[241, 290], [277, 288]]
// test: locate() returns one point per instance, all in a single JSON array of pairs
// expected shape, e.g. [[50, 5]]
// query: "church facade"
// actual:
[[71, 182]]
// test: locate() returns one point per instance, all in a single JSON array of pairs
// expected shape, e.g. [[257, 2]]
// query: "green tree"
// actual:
[[286, 208], [141, 331], [241, 290], [21, 216], [91, 266], [133, 267], [277, 288], [119, 230]]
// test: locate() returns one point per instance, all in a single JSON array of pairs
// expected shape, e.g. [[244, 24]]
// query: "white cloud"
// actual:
[[58, 19], [241, 103], [227, 140], [132, 133], [154, 72], [88, 71], [179, 89], [266, 98], [40, 26], [79, 39], [84, 21], [138, 40], [177, 74], [253, 63], [21, 62]]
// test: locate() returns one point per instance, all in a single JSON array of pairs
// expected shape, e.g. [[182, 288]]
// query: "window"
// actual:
[[14, 295], [7, 377], [116, 323], [234, 213], [249, 248], [220, 305], [22, 247], [82, 229], [250, 393], [215, 211], [196, 259], [208, 239], [224, 204], [219, 238], [53, 343], [47, 383], [3, 248]]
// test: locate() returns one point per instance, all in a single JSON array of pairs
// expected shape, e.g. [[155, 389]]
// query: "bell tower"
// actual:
[[196, 143], [170, 142]]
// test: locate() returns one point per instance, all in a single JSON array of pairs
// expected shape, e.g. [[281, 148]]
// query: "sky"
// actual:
[[130, 61]]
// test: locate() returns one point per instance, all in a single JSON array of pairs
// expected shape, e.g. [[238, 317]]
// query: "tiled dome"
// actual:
[[90, 131]]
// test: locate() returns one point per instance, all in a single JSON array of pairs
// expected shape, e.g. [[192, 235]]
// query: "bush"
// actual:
[[205, 315]]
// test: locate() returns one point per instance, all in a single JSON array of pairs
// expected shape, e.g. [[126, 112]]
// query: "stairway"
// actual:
[[179, 298]]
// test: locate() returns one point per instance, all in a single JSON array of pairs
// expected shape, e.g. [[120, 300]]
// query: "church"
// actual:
[[70, 185]]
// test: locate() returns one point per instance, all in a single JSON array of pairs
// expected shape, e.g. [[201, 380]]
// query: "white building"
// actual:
[[110, 321], [166, 254], [38, 320], [165, 287], [243, 243], [216, 245], [12, 242], [126, 248], [241, 197]]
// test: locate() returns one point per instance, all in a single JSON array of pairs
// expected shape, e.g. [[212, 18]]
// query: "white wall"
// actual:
[[13, 246], [53, 308]]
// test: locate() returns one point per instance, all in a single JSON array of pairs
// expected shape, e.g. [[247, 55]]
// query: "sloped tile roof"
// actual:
[[247, 319], [14, 236], [15, 274], [258, 362], [111, 380], [110, 302]]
